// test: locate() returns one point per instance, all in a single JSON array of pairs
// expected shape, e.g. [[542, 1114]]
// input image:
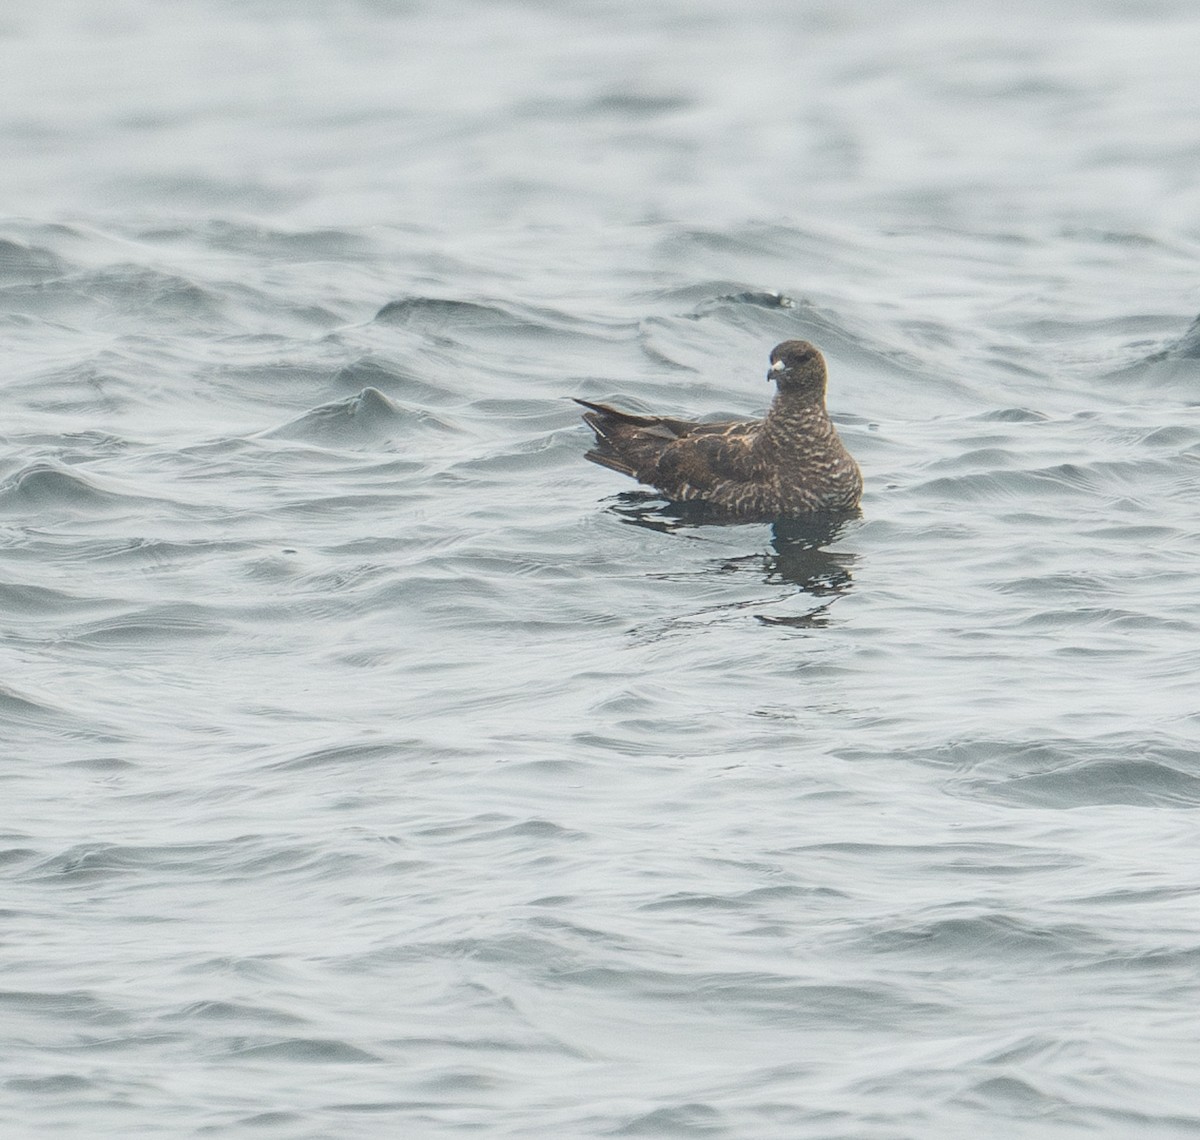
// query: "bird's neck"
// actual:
[[797, 417]]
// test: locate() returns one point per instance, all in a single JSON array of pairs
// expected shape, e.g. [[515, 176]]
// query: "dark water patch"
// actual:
[[261, 240], [1067, 481], [1187, 347], [237, 859], [407, 1107], [51, 491], [458, 601], [747, 901], [303, 1050], [74, 447], [458, 1080], [27, 600], [1071, 586], [1142, 959], [978, 860], [1172, 437], [87, 863], [1012, 416], [1139, 896], [347, 757], [1134, 781], [21, 711], [311, 506], [158, 553], [1138, 622], [247, 307], [249, 857], [1071, 772], [255, 1122], [455, 321], [767, 997], [759, 299], [103, 384], [471, 1040], [735, 241], [104, 764], [1104, 235], [76, 1007], [393, 379], [12, 855], [52, 1084], [351, 595], [1099, 330], [347, 582], [542, 454], [542, 566], [288, 472], [986, 459], [524, 411], [279, 566], [678, 1120], [1105, 1118], [261, 969], [1001, 937], [224, 1012], [1139, 476], [492, 827], [636, 106], [22, 264], [821, 573], [369, 419], [164, 625], [117, 296], [109, 1043], [436, 314], [1175, 363], [1016, 1098], [277, 379], [710, 295]]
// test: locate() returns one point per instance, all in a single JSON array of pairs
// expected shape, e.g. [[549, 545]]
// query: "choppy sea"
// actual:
[[374, 766]]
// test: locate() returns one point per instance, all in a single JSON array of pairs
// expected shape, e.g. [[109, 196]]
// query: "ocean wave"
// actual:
[[368, 419]]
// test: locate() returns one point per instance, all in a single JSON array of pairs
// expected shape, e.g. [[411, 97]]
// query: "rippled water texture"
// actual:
[[376, 766]]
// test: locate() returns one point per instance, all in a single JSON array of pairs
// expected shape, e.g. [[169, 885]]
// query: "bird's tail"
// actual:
[[611, 425], [627, 442]]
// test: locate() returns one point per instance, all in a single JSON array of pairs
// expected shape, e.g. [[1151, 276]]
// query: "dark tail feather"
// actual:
[[606, 457], [624, 441], [602, 412], [607, 423]]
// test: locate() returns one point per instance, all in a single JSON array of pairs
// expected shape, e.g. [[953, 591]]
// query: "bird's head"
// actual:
[[798, 368]]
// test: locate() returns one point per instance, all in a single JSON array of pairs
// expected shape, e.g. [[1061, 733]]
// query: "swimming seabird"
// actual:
[[790, 464]]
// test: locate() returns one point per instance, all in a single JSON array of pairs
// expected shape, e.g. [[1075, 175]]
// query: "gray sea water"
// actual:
[[374, 766]]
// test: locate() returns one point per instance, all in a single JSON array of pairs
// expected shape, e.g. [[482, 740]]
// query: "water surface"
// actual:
[[377, 766]]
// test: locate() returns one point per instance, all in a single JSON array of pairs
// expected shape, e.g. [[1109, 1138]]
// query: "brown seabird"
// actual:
[[789, 464]]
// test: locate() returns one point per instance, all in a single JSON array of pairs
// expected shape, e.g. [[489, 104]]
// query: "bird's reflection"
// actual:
[[797, 553]]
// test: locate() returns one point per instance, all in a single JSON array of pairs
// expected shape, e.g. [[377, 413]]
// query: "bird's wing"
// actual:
[[712, 456]]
